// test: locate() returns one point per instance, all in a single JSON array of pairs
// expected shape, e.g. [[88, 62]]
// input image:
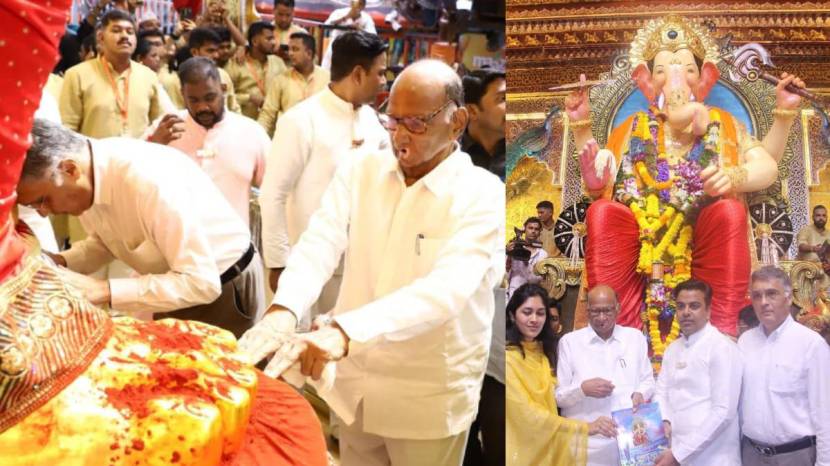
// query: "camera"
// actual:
[[519, 252]]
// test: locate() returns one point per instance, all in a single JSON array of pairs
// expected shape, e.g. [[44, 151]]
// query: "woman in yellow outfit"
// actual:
[[536, 434]]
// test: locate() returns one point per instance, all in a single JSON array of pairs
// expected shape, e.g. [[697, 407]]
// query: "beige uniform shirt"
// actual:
[[89, 104], [251, 77], [289, 89], [810, 235], [548, 243], [173, 86], [284, 36]]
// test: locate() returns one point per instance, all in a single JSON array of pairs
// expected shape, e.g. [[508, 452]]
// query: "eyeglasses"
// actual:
[[415, 125], [598, 311]]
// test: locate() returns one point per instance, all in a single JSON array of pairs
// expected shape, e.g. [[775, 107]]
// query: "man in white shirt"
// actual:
[[421, 233], [785, 399], [520, 271], [349, 17], [311, 140], [151, 207], [231, 148], [699, 386], [602, 368]]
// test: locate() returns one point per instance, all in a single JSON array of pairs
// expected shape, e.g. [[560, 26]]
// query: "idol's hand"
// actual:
[[785, 99], [269, 335], [577, 104], [715, 181], [598, 166]]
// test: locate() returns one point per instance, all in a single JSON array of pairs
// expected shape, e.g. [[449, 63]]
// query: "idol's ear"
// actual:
[[642, 78], [709, 75]]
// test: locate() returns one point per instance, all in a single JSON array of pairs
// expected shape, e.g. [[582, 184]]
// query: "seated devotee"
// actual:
[[536, 433], [675, 173], [151, 207], [484, 97], [229, 147], [258, 67], [602, 368], [520, 269], [351, 16], [299, 82], [747, 320], [80, 388], [699, 386], [811, 237], [311, 141], [785, 399], [112, 95], [544, 211], [420, 228]]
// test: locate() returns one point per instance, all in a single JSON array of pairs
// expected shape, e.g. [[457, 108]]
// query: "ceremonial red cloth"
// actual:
[[720, 257], [28, 51], [283, 430]]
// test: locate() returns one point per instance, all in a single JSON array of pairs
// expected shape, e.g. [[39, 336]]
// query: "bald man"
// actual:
[[420, 227], [602, 368]]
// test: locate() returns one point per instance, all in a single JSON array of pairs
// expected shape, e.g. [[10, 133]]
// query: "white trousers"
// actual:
[[358, 448]]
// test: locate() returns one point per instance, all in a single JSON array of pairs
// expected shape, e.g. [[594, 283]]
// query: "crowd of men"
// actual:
[[156, 147]]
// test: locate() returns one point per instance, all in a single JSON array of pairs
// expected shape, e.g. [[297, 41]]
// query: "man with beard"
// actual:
[[229, 147], [312, 139], [484, 97], [283, 22], [811, 237], [111, 95], [259, 67], [296, 84], [544, 210]]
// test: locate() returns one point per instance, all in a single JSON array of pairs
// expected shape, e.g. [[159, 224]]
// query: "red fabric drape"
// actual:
[[283, 430], [721, 258], [611, 257]]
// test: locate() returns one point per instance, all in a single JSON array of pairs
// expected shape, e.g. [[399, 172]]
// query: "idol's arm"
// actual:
[[776, 139]]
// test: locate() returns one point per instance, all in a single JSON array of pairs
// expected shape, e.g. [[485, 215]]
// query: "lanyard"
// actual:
[[123, 105], [257, 77]]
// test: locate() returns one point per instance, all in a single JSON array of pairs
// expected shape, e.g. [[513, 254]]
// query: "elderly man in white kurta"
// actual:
[[699, 386], [153, 208], [311, 140], [785, 398], [602, 368], [421, 230]]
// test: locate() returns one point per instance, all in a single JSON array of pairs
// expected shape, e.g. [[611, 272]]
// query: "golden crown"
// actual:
[[672, 33]]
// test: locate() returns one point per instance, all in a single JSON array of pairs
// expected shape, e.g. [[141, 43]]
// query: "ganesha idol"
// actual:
[[78, 387], [668, 187]]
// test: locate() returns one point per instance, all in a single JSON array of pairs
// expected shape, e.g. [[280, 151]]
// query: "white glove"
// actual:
[[268, 335]]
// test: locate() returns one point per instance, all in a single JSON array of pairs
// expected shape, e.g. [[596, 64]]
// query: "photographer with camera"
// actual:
[[523, 255]]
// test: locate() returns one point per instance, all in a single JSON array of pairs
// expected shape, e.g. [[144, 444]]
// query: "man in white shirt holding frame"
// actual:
[[785, 399], [699, 386], [602, 368]]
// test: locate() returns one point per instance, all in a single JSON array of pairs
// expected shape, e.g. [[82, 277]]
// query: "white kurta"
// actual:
[[622, 359], [311, 140], [698, 391], [786, 386], [363, 23], [157, 211], [417, 295]]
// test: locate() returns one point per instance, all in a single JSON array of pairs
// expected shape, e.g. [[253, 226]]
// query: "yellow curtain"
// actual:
[[536, 434]]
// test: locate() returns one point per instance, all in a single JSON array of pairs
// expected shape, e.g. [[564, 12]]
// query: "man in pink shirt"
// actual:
[[229, 147]]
